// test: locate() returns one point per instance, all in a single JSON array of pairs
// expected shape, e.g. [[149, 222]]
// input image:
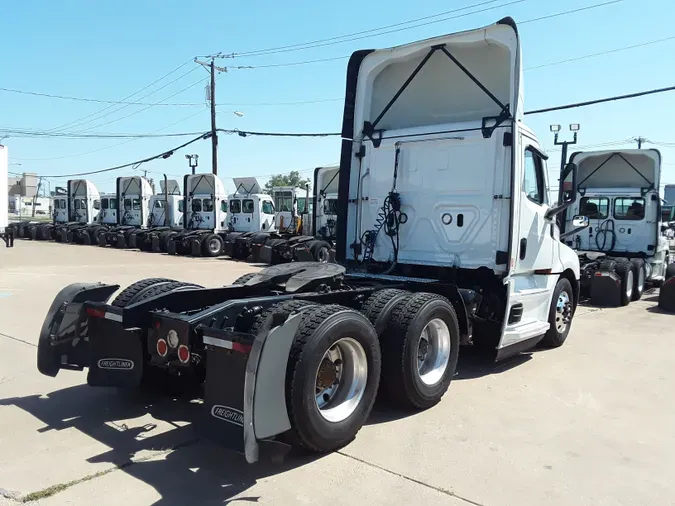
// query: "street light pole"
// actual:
[[192, 161], [574, 127]]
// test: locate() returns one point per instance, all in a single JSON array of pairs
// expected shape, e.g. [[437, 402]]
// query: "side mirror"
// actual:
[[567, 197], [579, 223]]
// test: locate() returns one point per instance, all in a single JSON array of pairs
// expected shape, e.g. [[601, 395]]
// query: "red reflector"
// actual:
[[543, 271], [183, 353], [162, 347], [598, 273], [241, 348], [158, 325], [96, 313]]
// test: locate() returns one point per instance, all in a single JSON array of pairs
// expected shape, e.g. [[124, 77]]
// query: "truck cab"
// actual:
[[619, 193], [250, 210], [84, 201], [290, 202], [108, 214], [133, 201], [60, 204], [324, 216]]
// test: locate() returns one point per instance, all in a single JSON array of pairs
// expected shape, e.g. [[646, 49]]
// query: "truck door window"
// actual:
[[283, 201], [77, 204], [127, 204], [159, 204], [207, 205], [104, 203], [97, 204], [223, 206], [267, 207], [533, 182], [301, 205], [196, 205], [235, 206], [247, 206], [330, 206], [628, 208], [181, 206], [136, 204], [596, 208], [113, 203]]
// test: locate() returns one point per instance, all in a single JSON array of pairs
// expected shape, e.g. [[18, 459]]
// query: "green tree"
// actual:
[[291, 179]]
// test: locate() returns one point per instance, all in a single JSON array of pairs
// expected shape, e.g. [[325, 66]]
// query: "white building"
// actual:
[[23, 206]]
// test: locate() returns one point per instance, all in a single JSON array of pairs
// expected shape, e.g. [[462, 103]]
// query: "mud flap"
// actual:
[[86, 238], [116, 355], [269, 256], [196, 248], [133, 241], [155, 244], [606, 289], [667, 296], [64, 338], [120, 241], [228, 243], [301, 253], [244, 395]]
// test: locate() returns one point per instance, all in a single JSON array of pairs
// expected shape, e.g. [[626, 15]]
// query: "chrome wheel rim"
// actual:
[[563, 312], [433, 352], [629, 284], [214, 245], [341, 379]]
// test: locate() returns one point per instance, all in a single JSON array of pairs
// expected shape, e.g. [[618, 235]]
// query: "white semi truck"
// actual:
[[133, 208], [624, 249], [83, 206], [445, 237], [166, 215]]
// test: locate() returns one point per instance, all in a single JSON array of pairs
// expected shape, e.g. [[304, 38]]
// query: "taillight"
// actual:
[[162, 347], [95, 313], [183, 354], [241, 348]]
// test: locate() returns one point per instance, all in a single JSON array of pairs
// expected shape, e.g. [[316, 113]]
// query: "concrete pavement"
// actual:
[[590, 423]]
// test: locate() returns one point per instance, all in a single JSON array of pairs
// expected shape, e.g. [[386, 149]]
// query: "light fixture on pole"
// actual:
[[574, 127], [192, 161]]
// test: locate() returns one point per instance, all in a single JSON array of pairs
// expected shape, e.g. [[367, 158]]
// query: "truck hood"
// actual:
[[439, 91], [246, 185], [625, 168]]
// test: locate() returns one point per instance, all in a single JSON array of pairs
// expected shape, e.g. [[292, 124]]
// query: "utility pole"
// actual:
[[639, 141], [211, 68]]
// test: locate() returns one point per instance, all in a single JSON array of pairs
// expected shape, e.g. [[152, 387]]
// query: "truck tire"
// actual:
[[379, 306], [242, 280], [162, 287], [126, 296], [164, 239], [625, 272], [420, 348], [639, 276], [320, 251], [212, 245], [560, 314], [276, 314], [334, 346]]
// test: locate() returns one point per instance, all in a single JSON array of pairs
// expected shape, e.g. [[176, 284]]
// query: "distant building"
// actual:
[[23, 206], [24, 186]]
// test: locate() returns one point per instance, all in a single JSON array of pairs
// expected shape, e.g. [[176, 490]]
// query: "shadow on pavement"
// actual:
[[197, 472]]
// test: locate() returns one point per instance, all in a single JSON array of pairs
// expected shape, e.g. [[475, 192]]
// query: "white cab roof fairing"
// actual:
[[82, 188], [441, 93], [204, 184], [326, 179], [622, 168], [134, 185], [246, 185], [172, 187]]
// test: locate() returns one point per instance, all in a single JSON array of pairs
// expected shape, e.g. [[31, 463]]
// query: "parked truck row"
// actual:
[[201, 220], [445, 237]]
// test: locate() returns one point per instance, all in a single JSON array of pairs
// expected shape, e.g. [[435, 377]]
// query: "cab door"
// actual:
[[533, 248]]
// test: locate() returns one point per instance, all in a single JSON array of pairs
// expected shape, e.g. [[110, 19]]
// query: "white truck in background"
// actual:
[[6, 233], [166, 214], [133, 208], [624, 249], [431, 256], [83, 206]]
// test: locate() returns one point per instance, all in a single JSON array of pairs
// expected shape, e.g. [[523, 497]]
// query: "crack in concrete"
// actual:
[[60, 487], [18, 340], [444, 491]]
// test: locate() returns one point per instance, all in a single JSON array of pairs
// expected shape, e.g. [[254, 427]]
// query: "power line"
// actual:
[[79, 120], [95, 100], [136, 164], [331, 39], [368, 33]]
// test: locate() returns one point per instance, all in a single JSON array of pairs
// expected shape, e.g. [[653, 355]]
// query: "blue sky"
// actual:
[[109, 50]]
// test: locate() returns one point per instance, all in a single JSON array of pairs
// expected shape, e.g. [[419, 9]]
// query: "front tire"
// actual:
[[560, 315], [420, 348], [332, 377]]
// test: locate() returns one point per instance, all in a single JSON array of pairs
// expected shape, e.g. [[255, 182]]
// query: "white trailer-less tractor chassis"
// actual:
[[466, 254], [624, 249]]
